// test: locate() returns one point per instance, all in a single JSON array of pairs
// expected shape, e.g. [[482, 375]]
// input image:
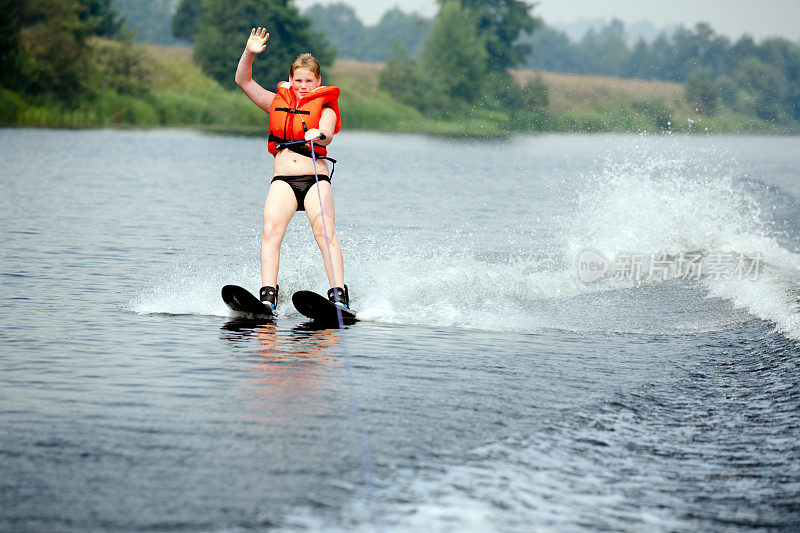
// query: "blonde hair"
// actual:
[[305, 62]]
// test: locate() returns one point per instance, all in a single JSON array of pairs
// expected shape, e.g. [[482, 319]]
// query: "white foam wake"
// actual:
[[656, 205], [673, 208]]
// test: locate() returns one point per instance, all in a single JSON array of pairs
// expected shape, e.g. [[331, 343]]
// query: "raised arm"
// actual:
[[256, 44]]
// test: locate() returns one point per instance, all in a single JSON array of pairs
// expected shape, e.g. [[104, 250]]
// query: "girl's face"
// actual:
[[303, 82]]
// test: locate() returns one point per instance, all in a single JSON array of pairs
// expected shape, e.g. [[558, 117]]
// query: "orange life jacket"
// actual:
[[289, 118]]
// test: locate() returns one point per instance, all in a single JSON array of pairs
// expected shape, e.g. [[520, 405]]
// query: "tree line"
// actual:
[[754, 78], [355, 40], [463, 59], [51, 49], [463, 64], [457, 64], [150, 20], [68, 52], [761, 79], [219, 29]]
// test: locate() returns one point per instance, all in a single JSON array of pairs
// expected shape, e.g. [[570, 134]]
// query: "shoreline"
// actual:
[[250, 132], [182, 96]]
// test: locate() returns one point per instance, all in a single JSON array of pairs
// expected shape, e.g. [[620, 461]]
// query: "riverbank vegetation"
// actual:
[[73, 63]]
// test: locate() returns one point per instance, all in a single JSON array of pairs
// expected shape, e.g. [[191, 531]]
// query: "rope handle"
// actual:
[[281, 146]]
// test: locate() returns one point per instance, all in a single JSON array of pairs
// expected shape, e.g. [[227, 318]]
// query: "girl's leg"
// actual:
[[279, 207], [334, 265]]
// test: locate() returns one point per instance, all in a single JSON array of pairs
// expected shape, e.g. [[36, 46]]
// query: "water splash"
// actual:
[[653, 204]]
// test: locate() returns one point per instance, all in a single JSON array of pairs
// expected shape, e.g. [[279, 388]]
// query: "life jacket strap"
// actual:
[[292, 110]]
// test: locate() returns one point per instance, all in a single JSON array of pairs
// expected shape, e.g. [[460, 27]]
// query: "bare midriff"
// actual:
[[288, 163]]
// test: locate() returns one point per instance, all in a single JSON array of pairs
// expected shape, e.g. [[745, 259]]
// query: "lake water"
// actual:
[[492, 385]]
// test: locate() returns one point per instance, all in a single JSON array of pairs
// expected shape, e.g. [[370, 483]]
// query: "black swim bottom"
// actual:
[[300, 185]]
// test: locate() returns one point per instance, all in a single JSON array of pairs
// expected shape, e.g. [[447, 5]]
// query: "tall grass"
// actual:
[[182, 95]]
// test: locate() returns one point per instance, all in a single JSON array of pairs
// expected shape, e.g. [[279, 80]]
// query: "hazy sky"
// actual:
[[759, 18]]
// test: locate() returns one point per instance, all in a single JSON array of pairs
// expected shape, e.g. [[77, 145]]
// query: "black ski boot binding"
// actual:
[[269, 296], [339, 296]]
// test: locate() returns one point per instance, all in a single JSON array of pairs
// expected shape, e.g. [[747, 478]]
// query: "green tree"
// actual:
[[225, 24], [785, 56], [455, 56], [101, 16], [639, 65], [728, 91], [697, 48], [701, 93], [605, 51], [341, 25], [396, 29], [455, 74], [404, 78], [352, 39], [528, 96], [765, 86], [552, 51], [501, 23], [186, 18], [742, 49], [151, 20], [660, 61], [55, 55], [119, 66], [10, 19], [612, 50]]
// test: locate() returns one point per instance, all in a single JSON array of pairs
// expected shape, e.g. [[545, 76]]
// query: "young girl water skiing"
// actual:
[[301, 109]]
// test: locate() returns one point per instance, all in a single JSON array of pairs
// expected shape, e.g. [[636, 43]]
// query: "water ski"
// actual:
[[243, 302], [320, 309]]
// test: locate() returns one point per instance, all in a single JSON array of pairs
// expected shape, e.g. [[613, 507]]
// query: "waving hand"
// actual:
[[256, 44], [258, 40]]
